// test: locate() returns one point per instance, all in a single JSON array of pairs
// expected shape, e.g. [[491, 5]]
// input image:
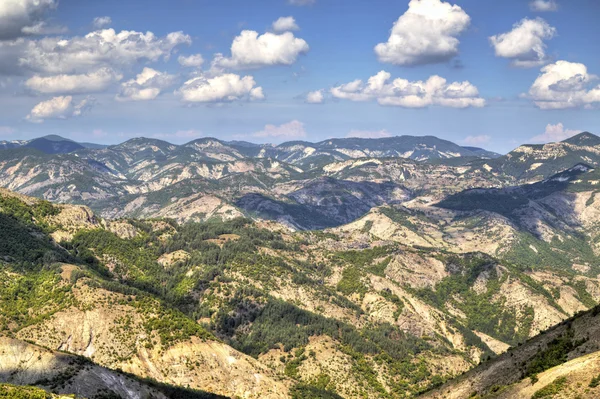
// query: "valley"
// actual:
[[350, 268]]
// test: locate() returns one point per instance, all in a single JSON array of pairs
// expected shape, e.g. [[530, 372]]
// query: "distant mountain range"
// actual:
[[51, 144], [303, 185], [295, 152]]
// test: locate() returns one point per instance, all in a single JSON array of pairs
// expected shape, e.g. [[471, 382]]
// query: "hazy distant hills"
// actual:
[[51, 144], [532, 162], [303, 185], [413, 147]]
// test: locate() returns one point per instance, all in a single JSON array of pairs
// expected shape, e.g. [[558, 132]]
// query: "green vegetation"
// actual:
[[484, 311], [23, 392], [595, 382], [226, 283], [552, 389], [255, 328], [556, 353], [398, 216], [351, 282], [303, 391], [29, 214], [30, 298], [26, 245], [372, 260], [291, 367], [493, 200]]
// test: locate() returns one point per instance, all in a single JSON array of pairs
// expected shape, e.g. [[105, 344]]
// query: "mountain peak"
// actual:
[[55, 137], [54, 145], [583, 139]]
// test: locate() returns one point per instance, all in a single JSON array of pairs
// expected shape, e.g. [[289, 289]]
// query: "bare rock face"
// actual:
[[71, 219], [121, 228], [503, 377], [113, 335], [167, 260], [22, 363]]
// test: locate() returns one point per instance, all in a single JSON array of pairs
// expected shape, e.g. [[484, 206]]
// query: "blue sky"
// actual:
[[514, 71]]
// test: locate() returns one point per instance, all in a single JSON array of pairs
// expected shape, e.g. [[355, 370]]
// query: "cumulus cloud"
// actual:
[[191, 61], [564, 85], [543, 5], [219, 89], [403, 93], [43, 28], [301, 2], [91, 82], [315, 97], [101, 22], [554, 133], [146, 86], [59, 108], [426, 33], [285, 24], [293, 129], [251, 50], [524, 43], [477, 140], [23, 17], [369, 134], [97, 49]]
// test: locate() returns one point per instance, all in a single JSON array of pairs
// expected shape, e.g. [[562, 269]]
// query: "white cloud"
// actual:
[[477, 140], [96, 49], [404, 93], [42, 28], [147, 85], [91, 82], [543, 5], [59, 108], [369, 134], [101, 22], [285, 24], [20, 17], [554, 133], [249, 50], [315, 97], [301, 2], [293, 129], [220, 88], [426, 33], [192, 61], [525, 43], [564, 85]]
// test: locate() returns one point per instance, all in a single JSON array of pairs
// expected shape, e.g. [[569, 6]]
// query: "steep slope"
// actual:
[[530, 163], [236, 309], [109, 299], [41, 298], [561, 362], [22, 363], [321, 203], [554, 220]]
